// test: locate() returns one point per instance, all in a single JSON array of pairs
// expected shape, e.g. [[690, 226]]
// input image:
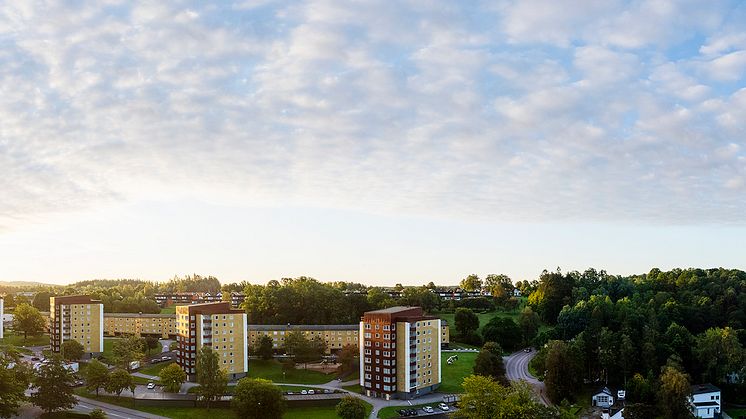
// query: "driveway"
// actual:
[[516, 368]]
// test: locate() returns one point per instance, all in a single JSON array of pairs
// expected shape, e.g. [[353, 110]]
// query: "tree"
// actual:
[[422, 297], [294, 340], [627, 355], [71, 350], [151, 342], [483, 398], [127, 350], [554, 292], [467, 323], [53, 385], [378, 298], [265, 347], [96, 375], [172, 377], [350, 407], [562, 371], [213, 381], [674, 393], [346, 358], [529, 324], [471, 283], [258, 398], [28, 320], [97, 414], [499, 286], [504, 331], [719, 353], [489, 362], [41, 300], [13, 384], [119, 380]]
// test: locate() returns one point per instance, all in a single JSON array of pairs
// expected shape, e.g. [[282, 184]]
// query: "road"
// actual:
[[516, 368]]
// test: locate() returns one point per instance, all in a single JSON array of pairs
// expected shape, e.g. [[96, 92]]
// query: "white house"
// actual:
[[603, 398], [705, 401]]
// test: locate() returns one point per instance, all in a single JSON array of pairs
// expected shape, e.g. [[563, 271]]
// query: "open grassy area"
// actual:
[[272, 370], [168, 310], [108, 346], [16, 339], [452, 375], [355, 388], [735, 413], [154, 369]]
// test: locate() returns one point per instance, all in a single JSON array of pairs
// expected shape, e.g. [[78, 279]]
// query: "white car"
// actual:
[[443, 406], [304, 392], [311, 392], [151, 385], [428, 409]]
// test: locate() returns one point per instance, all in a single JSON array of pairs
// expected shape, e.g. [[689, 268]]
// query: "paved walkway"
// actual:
[[113, 411]]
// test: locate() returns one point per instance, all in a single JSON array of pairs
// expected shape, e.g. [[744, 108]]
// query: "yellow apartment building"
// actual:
[[215, 325], [78, 318], [336, 336], [400, 352], [138, 324]]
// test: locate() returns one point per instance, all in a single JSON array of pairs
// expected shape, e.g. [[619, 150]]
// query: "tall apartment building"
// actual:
[[215, 325], [399, 353], [79, 318]]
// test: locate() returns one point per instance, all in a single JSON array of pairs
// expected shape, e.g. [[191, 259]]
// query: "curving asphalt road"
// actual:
[[516, 368]]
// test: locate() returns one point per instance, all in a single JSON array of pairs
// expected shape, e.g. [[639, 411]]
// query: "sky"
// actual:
[[370, 141]]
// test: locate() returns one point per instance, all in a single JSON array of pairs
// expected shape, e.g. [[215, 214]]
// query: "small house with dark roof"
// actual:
[[705, 401], [603, 398]]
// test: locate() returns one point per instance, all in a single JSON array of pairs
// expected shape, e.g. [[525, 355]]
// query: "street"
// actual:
[[516, 368]]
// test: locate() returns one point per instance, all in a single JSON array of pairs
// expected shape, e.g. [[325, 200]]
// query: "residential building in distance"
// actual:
[[178, 298], [78, 318], [336, 336], [215, 325], [399, 353], [705, 401], [139, 324]]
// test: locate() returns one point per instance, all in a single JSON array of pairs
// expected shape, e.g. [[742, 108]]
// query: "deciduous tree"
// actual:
[[28, 320], [471, 283], [212, 380], [127, 350], [13, 384], [467, 324], [529, 324], [258, 398], [350, 407], [673, 393], [503, 331], [265, 347], [96, 376], [119, 380], [71, 350], [53, 386], [172, 377]]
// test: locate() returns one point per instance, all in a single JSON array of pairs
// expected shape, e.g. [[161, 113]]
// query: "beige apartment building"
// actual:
[[138, 324], [336, 336], [78, 318], [215, 325], [399, 353]]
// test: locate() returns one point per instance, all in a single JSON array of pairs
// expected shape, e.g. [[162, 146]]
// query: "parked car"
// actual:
[[165, 358], [311, 392], [290, 393], [155, 361], [443, 406], [327, 391], [35, 358], [151, 385], [428, 409], [304, 391]]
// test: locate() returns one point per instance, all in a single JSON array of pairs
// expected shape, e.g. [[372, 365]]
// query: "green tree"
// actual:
[[28, 320], [350, 407], [467, 323], [119, 380], [421, 297], [151, 342], [265, 347], [378, 299], [53, 385], [172, 377], [554, 292], [41, 300], [471, 283], [627, 355], [529, 322], [258, 398], [13, 384], [127, 350], [674, 393], [499, 286], [347, 357], [213, 381], [562, 371], [96, 376], [71, 350], [294, 340], [489, 362], [719, 353], [483, 398], [97, 414], [504, 331]]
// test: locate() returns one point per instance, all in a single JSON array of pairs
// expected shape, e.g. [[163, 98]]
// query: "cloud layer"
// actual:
[[526, 110]]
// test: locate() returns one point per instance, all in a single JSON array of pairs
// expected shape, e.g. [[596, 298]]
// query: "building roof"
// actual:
[[704, 388], [140, 315], [265, 327], [604, 390], [390, 310], [706, 404]]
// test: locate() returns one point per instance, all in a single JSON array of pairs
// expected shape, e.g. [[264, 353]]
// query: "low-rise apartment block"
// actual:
[[78, 318], [399, 353], [336, 336], [138, 324], [215, 325], [178, 298]]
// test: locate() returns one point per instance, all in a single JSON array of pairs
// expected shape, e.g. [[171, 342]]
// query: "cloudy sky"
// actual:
[[371, 141]]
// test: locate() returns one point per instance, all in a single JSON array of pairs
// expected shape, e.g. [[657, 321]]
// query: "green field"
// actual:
[[168, 310], [355, 388], [735, 413], [13, 339], [154, 369], [452, 375], [272, 370]]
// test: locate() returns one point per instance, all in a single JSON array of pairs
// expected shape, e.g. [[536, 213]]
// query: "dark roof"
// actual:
[[704, 388], [706, 404], [603, 390], [390, 310]]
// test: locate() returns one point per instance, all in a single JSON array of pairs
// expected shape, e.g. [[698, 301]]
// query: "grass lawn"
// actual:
[[108, 346], [5, 348], [143, 381], [11, 338], [452, 375], [168, 310], [272, 370], [154, 369], [735, 413], [355, 388]]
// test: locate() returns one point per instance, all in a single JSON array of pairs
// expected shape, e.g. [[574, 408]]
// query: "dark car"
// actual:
[[35, 358]]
